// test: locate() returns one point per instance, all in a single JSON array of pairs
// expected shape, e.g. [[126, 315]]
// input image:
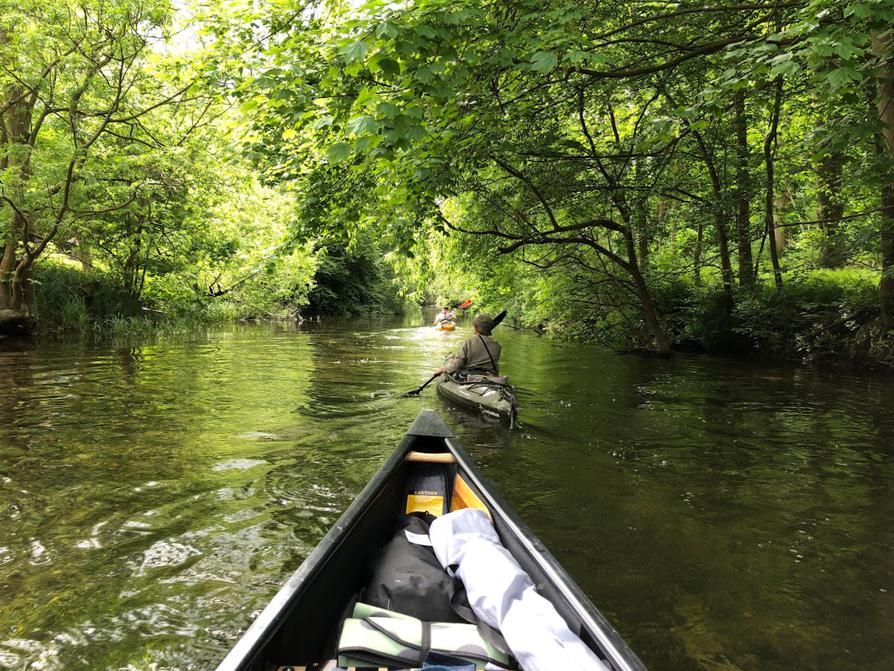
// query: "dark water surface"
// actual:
[[722, 515]]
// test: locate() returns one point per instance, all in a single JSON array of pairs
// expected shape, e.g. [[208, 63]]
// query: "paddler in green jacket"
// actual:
[[478, 354]]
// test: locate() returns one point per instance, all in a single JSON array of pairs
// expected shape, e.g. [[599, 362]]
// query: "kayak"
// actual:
[[301, 625], [490, 399], [445, 326]]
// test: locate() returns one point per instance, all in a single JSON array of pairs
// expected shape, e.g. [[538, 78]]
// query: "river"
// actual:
[[723, 515]]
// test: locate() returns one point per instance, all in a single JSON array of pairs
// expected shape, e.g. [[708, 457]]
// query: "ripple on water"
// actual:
[[237, 465], [22, 653], [6, 555], [167, 554], [39, 554], [260, 435]]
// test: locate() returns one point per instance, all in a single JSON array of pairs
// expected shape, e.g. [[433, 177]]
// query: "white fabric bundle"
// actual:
[[503, 595]]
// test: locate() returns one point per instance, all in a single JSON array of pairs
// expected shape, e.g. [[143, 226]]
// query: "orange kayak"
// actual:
[[445, 326]]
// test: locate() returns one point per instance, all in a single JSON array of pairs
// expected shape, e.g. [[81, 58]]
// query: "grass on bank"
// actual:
[[70, 300], [828, 316], [824, 316], [93, 304]]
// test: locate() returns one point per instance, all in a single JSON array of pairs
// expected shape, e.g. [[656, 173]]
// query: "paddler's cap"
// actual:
[[483, 323]]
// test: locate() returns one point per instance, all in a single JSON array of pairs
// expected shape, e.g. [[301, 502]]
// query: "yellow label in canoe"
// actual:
[[425, 503]]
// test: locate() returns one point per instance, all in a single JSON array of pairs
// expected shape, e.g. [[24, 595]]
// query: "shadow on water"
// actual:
[[722, 515]]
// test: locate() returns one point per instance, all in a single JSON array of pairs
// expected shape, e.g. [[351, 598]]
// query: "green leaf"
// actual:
[[265, 83], [841, 76], [389, 67], [575, 56], [338, 152], [846, 49], [784, 68], [426, 31], [424, 75], [544, 61], [361, 125], [354, 52], [387, 110], [364, 96], [386, 29]]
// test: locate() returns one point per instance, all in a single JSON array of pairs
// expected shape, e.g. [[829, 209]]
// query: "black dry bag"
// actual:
[[407, 578]]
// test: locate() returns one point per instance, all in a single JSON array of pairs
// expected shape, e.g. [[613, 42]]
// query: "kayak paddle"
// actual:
[[418, 390], [500, 317]]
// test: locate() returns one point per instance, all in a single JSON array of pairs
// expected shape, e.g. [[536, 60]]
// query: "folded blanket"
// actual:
[[379, 637]]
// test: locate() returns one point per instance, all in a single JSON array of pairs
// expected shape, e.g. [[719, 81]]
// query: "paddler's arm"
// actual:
[[455, 363]]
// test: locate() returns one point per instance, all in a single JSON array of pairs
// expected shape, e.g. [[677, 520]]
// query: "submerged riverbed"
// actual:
[[722, 515]]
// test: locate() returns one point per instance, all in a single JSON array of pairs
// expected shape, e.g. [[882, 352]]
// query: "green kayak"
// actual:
[[491, 399]]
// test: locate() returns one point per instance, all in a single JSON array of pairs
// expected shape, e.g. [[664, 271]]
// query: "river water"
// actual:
[[722, 515]]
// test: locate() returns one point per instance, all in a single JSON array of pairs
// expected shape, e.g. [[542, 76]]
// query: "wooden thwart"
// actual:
[[431, 457]]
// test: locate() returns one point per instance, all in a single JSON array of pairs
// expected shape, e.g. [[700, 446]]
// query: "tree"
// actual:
[[71, 77], [433, 101], [560, 135]]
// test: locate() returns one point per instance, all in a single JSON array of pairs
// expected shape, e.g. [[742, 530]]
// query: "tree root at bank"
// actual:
[[15, 322]]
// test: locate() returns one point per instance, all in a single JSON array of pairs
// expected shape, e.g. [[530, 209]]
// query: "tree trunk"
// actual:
[[743, 209], [697, 254], [886, 285], [769, 162], [650, 314], [779, 205], [881, 47], [726, 266], [642, 243], [661, 220], [641, 217], [22, 294], [131, 269], [830, 207], [85, 255], [721, 220], [7, 238], [7, 265], [14, 278]]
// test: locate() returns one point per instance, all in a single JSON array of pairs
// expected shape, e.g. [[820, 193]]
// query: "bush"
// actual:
[[352, 282], [823, 315], [814, 318], [69, 298]]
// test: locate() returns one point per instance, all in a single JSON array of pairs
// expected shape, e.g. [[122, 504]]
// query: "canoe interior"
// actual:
[[300, 627]]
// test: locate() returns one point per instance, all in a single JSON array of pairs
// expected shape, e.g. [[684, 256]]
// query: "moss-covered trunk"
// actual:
[[882, 46]]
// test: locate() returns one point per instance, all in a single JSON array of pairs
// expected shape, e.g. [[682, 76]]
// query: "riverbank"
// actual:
[[94, 304], [821, 318], [817, 320]]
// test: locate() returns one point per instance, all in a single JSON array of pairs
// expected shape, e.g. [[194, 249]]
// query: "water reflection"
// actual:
[[723, 515]]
